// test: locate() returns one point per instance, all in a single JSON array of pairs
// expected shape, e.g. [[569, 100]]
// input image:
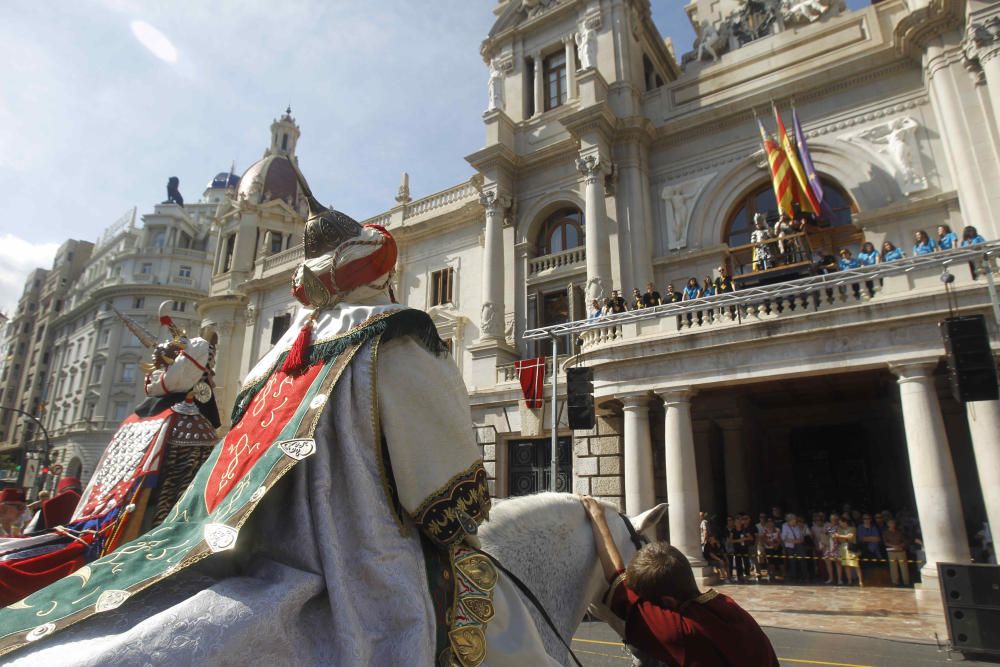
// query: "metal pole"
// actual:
[[555, 412], [24, 457], [988, 268]]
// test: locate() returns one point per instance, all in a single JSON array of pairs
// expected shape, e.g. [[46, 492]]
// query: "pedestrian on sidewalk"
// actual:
[[666, 617], [848, 547], [895, 548]]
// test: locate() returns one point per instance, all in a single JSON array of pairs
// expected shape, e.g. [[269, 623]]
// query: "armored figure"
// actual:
[[144, 470]]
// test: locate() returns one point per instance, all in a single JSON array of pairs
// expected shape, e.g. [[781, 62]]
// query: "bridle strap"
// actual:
[[637, 540], [532, 599]]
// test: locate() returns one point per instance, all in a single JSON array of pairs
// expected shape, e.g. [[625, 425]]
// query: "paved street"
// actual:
[[598, 646]]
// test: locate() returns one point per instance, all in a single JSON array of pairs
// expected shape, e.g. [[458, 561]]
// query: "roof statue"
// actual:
[[173, 191]]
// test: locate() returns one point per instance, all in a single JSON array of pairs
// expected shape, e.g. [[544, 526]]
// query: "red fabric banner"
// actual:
[[531, 373]]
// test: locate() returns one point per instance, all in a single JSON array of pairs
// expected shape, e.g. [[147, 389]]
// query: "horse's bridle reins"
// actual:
[[637, 540]]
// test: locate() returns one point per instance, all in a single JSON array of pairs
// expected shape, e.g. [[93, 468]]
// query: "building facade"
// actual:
[[608, 164]]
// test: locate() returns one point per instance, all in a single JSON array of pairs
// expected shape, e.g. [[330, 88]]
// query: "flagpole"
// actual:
[[555, 413]]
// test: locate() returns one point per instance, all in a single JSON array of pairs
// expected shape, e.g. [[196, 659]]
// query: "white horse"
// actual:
[[546, 540]]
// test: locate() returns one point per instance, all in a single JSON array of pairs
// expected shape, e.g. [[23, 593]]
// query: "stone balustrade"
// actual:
[[292, 255], [558, 260], [441, 199], [507, 373]]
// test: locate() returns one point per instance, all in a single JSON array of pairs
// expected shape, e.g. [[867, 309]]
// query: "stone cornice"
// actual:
[[916, 30], [597, 117], [495, 156]]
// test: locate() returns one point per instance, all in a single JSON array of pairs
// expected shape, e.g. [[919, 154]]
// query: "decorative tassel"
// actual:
[[296, 359]]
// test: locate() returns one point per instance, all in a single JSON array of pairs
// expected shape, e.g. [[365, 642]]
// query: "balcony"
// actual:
[[899, 290], [283, 259], [572, 258], [507, 373]]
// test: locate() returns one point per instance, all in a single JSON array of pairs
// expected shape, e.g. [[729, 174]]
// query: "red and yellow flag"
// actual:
[[803, 193], [781, 173]]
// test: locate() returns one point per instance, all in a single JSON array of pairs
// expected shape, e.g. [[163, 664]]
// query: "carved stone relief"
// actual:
[[678, 204], [895, 145]]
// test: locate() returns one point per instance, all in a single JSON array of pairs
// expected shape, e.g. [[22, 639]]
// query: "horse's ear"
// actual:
[[652, 524]]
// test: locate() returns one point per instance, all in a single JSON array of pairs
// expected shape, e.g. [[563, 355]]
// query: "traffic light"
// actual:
[[580, 398]]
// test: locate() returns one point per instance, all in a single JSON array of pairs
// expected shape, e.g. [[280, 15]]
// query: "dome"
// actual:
[[272, 177], [224, 179]]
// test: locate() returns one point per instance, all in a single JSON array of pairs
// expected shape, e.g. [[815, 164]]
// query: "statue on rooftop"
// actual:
[[173, 191]]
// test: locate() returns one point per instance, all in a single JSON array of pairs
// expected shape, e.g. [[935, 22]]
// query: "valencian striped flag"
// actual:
[[803, 193], [781, 173], [815, 186], [531, 373]]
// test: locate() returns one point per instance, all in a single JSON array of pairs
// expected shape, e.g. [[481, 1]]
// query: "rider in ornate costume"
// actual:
[[150, 460], [296, 543]]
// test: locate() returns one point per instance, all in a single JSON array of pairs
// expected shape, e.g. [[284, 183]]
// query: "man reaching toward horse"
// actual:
[[666, 617]]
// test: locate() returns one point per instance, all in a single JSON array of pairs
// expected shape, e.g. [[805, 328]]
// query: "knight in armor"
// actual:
[[335, 522], [149, 462]]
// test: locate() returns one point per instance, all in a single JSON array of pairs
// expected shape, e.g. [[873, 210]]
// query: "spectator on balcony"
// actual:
[[724, 282], [707, 288], [651, 297], [847, 261], [869, 255], [891, 253], [618, 304], [946, 239], [971, 237], [923, 244], [782, 228], [671, 295], [637, 302], [691, 290], [760, 238], [595, 311], [606, 309]]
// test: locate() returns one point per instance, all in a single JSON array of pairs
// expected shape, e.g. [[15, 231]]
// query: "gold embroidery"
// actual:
[[468, 645], [475, 579], [479, 570], [707, 596], [445, 515]]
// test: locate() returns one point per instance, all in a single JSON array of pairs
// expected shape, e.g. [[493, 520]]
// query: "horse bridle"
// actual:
[[637, 540]]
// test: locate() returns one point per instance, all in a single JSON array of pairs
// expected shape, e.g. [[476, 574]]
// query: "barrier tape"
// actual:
[[859, 559]]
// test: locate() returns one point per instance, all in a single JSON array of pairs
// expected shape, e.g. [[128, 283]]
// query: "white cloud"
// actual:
[[17, 258], [155, 41]]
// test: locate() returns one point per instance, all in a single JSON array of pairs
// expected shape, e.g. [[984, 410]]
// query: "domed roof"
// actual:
[[224, 179], [272, 177]]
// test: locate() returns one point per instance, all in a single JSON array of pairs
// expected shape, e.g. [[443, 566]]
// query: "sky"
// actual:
[[102, 101]]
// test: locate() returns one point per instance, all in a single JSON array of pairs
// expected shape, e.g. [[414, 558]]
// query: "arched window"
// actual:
[[561, 231], [761, 199]]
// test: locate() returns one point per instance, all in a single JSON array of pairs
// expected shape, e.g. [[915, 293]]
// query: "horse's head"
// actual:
[[649, 526]]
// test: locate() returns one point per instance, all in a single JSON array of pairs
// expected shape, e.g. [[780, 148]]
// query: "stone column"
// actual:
[[934, 484], [983, 46], [570, 45], [735, 461], [596, 232], [682, 474], [539, 84], [492, 320], [639, 491], [984, 427], [947, 106]]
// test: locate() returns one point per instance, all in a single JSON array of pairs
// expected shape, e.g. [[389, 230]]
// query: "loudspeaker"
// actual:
[[971, 597], [972, 370], [580, 398]]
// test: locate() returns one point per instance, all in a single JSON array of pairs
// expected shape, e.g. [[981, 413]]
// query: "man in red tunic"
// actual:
[[666, 617]]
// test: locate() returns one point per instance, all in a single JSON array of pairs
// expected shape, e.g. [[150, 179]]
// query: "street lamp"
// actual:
[[48, 443]]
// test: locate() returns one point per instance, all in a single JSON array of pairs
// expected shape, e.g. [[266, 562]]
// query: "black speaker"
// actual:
[[580, 398], [972, 370], [971, 597]]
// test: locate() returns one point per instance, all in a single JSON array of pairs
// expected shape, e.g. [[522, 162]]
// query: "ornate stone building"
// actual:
[[608, 163]]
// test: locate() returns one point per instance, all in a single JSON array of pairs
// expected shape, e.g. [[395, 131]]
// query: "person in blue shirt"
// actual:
[[971, 237], [707, 287], [924, 244], [847, 260], [691, 290], [947, 239], [869, 255], [891, 253]]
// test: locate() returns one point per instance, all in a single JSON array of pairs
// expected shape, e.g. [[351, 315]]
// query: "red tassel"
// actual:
[[296, 359]]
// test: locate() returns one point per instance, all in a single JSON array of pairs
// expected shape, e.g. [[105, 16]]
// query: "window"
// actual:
[[179, 306], [227, 262], [147, 268], [128, 372], [105, 336], [184, 272], [279, 325], [96, 372], [160, 239], [284, 141], [120, 411], [554, 68], [562, 230], [139, 302], [441, 286], [652, 79], [761, 199], [275, 242], [529, 92]]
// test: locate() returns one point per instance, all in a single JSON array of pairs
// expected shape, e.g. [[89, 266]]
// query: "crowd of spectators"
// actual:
[[831, 549], [923, 244], [616, 303]]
